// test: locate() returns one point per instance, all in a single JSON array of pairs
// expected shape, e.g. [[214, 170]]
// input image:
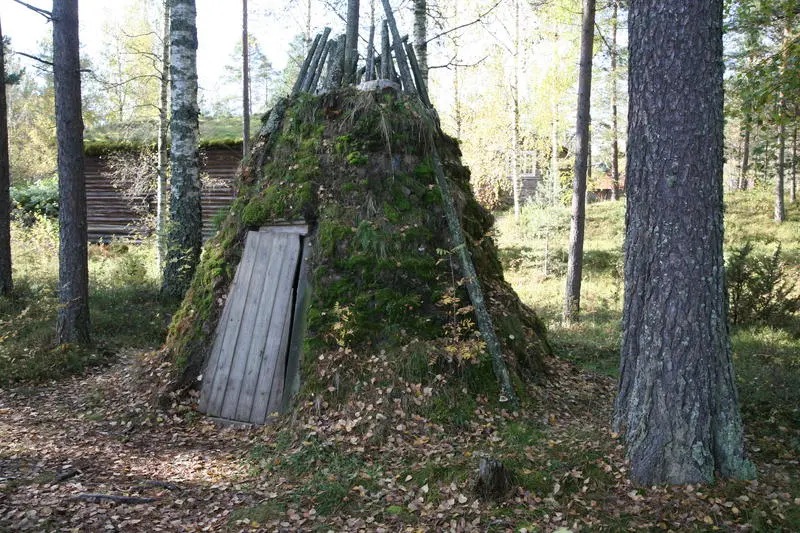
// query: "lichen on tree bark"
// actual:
[[185, 228]]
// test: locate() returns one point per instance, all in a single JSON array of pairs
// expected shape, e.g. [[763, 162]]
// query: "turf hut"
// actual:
[[354, 240]]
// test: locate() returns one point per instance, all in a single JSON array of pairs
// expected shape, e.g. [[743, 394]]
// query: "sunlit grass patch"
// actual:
[[125, 307]]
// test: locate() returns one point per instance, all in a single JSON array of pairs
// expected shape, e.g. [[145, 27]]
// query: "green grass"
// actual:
[[125, 308], [767, 359]]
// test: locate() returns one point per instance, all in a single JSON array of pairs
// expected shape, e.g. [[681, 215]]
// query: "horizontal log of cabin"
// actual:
[[113, 215]]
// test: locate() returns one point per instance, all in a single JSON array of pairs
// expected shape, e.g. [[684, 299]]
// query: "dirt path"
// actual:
[[97, 434]]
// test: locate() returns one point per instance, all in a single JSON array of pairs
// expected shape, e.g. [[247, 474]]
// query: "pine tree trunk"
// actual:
[[6, 283], [745, 164], [163, 130], [572, 296], [73, 273], [614, 113], [186, 224], [780, 209], [245, 83], [421, 36], [677, 405]]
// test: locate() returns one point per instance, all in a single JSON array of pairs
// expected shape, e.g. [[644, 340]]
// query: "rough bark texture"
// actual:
[[421, 36], [245, 83], [163, 131], [572, 295], [73, 274], [614, 113], [351, 42], [186, 223], [677, 406], [5, 180]]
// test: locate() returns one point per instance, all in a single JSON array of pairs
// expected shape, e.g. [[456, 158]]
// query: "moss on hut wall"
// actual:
[[355, 166]]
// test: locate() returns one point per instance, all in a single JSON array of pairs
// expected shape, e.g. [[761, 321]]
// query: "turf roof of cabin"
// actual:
[[215, 132]]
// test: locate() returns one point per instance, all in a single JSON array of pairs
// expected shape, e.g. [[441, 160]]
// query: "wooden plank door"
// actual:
[[245, 372]]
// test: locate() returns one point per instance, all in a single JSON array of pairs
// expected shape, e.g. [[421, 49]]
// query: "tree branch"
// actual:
[[453, 63], [35, 58], [467, 24], [46, 14]]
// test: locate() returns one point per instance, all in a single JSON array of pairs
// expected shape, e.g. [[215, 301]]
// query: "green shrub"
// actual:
[[758, 288], [37, 199]]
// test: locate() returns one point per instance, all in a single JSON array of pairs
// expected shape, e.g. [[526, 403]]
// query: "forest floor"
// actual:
[[393, 452], [324, 469]]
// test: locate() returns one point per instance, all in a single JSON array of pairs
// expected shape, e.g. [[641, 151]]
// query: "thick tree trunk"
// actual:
[[677, 406], [351, 42], [163, 130], [572, 296], [745, 164], [186, 223], [614, 113], [6, 284], [421, 36], [73, 272], [245, 83]]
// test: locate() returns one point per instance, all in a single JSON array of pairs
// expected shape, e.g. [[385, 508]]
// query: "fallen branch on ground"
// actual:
[[114, 498]]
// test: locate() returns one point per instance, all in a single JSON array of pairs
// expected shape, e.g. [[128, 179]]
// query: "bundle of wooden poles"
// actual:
[[326, 67]]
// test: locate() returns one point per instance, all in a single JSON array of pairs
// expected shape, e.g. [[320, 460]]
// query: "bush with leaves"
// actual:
[[38, 199], [758, 289]]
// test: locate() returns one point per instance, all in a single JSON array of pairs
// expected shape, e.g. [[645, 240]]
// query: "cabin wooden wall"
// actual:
[[110, 215]]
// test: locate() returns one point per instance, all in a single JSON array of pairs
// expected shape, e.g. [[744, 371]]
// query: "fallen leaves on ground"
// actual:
[[382, 457]]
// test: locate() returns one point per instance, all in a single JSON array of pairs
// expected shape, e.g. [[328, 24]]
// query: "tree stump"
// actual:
[[495, 481]]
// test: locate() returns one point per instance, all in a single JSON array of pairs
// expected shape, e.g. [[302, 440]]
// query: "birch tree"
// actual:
[[245, 83], [163, 132], [184, 235]]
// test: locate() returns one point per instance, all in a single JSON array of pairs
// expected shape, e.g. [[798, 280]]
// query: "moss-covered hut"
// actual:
[[355, 166]]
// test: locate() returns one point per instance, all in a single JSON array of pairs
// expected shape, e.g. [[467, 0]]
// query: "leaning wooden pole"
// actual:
[[315, 61], [301, 76], [329, 46], [485, 324], [399, 52]]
